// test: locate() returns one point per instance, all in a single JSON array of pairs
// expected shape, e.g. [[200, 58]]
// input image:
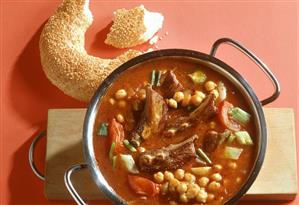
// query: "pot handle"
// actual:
[[69, 184], [36, 139], [256, 60]]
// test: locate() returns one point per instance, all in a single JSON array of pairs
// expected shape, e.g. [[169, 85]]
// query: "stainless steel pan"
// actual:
[[208, 60]]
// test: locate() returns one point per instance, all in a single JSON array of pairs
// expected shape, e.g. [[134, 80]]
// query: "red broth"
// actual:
[[233, 173]]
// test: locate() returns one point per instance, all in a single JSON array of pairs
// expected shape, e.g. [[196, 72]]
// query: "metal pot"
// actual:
[[208, 60]]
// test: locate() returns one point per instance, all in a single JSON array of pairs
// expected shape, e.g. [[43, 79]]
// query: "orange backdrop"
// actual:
[[270, 29]]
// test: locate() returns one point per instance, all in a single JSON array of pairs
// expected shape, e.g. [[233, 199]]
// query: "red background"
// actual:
[[270, 29]]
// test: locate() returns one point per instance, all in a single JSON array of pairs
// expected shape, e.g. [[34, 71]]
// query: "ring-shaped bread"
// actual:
[[63, 56]]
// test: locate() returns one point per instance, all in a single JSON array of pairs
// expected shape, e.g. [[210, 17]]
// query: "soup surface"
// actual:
[[171, 131]]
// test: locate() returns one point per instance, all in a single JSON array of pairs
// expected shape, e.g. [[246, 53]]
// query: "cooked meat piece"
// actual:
[[154, 111], [176, 124], [211, 141], [170, 84], [168, 158], [205, 111]]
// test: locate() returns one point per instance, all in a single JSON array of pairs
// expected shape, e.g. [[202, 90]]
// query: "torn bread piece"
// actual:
[[133, 27]]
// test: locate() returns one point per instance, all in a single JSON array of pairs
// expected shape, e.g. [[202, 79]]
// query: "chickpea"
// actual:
[[174, 182], [121, 94], [196, 100], [193, 185], [200, 94], [232, 165], [173, 203], [210, 85], [182, 188], [122, 104], [189, 177], [214, 186], [202, 196], [159, 177], [172, 103], [130, 93], [203, 181], [187, 98], [215, 92], [111, 101], [179, 174], [210, 197], [120, 118], [168, 175], [184, 198], [216, 177], [192, 192], [178, 96]]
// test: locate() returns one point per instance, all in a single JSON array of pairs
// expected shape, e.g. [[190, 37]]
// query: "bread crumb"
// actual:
[[149, 50], [154, 40]]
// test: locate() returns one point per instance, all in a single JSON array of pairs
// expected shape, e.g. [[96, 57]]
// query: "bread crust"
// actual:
[[63, 56]]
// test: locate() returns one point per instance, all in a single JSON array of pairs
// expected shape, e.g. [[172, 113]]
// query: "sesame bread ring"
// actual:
[[63, 56]]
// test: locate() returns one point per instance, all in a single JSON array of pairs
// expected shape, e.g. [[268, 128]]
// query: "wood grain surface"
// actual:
[[276, 181]]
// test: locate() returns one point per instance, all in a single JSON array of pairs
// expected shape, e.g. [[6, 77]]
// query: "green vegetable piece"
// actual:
[[198, 77], [158, 78], [232, 152], [153, 79], [224, 136], [103, 129], [243, 138], [114, 161], [129, 163], [129, 146], [239, 115], [203, 155], [111, 150], [231, 138]]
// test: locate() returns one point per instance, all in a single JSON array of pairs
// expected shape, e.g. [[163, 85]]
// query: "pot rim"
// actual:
[[92, 111]]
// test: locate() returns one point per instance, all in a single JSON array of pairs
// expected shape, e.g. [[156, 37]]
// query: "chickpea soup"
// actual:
[[171, 131]]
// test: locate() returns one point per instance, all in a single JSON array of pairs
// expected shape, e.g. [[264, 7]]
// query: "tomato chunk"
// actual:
[[143, 186], [116, 135], [225, 106]]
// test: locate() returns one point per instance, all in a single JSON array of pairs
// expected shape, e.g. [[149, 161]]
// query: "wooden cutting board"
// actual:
[[276, 181]]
